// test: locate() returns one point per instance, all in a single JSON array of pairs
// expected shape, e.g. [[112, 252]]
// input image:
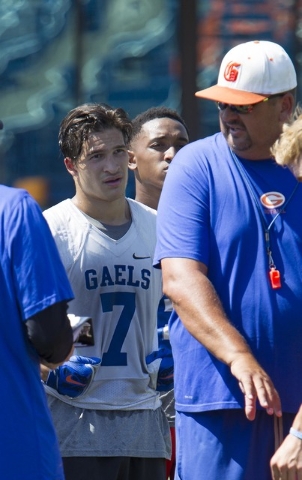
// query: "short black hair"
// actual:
[[87, 118], [153, 113]]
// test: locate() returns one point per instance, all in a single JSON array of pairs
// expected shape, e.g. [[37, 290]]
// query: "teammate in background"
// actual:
[[158, 133], [34, 328], [229, 245], [287, 151], [116, 429]]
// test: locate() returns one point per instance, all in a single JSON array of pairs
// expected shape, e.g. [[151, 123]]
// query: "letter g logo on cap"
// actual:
[[231, 72]]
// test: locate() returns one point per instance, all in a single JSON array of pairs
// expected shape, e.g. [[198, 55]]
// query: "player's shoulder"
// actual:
[[57, 212], [69, 228], [141, 211], [66, 221], [64, 215]]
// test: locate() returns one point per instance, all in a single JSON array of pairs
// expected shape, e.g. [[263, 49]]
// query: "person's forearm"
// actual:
[[200, 310], [45, 366], [198, 306], [50, 333]]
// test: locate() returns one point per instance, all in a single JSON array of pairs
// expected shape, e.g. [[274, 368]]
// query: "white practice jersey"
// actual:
[[116, 285]]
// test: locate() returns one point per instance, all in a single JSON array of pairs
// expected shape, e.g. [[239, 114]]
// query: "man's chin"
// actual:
[[237, 145]]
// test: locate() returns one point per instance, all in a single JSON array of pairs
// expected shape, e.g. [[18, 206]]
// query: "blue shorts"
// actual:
[[224, 445]]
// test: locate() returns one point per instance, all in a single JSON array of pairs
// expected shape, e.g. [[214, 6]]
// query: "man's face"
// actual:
[[154, 148], [252, 134], [101, 172]]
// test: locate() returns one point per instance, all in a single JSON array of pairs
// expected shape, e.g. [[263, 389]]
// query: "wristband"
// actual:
[[296, 433]]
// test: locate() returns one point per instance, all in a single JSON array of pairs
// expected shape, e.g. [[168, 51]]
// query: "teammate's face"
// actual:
[[251, 135], [101, 172], [154, 149]]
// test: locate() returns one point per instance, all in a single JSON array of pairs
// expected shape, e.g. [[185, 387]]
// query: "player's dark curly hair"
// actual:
[[84, 119], [153, 113]]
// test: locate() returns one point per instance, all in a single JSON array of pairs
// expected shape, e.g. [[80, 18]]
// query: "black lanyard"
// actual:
[[274, 274]]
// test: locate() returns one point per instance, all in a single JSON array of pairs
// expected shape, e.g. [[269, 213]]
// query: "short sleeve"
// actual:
[[39, 277], [183, 211]]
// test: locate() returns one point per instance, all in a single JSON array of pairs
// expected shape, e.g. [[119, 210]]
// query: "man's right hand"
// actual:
[[199, 307], [255, 384]]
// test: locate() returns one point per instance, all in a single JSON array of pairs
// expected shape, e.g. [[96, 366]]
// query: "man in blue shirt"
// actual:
[[229, 245]]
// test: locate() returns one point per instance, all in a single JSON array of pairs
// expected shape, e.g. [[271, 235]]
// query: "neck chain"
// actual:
[[274, 274]]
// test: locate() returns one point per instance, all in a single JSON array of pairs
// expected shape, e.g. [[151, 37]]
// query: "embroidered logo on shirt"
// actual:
[[137, 257], [272, 200]]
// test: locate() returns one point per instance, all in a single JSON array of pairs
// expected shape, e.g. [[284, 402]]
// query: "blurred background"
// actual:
[[57, 54]]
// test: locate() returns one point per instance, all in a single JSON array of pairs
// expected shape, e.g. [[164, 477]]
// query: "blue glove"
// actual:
[[73, 377], [165, 375]]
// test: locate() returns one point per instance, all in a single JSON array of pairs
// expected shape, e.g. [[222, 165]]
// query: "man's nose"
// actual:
[[170, 154]]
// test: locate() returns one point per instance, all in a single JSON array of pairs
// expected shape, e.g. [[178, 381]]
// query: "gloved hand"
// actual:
[[163, 360], [73, 377]]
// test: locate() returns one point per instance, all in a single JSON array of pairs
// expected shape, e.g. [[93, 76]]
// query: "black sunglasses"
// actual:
[[243, 109]]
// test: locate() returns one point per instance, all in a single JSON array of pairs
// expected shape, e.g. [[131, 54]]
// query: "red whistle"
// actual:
[[275, 278]]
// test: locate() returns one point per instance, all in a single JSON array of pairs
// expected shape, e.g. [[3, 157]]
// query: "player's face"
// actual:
[[101, 172], [154, 149], [252, 134]]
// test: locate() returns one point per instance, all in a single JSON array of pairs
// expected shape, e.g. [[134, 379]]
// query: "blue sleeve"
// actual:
[[39, 276], [183, 211]]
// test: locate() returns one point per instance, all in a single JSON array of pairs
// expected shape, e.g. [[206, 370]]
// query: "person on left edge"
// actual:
[[116, 429], [34, 329], [158, 134]]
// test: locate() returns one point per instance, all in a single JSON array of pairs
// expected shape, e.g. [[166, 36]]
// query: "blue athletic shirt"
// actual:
[[28, 444], [206, 213]]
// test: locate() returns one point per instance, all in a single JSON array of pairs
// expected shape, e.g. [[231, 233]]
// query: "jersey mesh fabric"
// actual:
[[109, 433]]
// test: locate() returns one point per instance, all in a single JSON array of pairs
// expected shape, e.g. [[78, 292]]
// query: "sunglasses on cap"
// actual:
[[243, 109]]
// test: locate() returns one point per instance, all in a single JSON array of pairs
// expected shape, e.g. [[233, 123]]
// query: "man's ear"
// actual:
[[70, 166], [287, 107], [132, 165]]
